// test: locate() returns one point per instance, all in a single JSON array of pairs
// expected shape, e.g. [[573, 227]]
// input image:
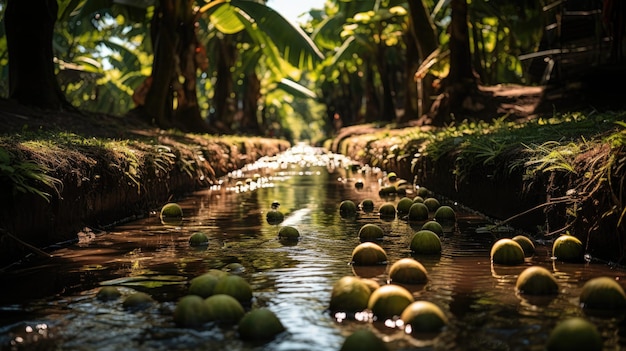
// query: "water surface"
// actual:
[[50, 303]]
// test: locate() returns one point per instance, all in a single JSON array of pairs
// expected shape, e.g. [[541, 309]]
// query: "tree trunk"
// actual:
[[460, 86], [29, 29], [159, 98], [250, 121], [424, 33], [222, 101], [192, 56]]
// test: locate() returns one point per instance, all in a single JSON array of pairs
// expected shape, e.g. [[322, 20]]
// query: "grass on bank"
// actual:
[[584, 152], [35, 161]]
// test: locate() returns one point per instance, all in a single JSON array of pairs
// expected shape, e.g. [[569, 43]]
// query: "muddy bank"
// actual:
[[103, 170], [583, 196]]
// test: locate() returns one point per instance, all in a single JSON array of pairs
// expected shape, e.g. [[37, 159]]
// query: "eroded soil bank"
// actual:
[[101, 170], [580, 193]]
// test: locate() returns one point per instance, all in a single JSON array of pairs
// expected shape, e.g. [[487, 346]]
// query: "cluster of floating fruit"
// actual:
[[365, 299], [599, 295]]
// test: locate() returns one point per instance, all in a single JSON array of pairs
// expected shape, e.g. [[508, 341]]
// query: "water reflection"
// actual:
[[51, 304]]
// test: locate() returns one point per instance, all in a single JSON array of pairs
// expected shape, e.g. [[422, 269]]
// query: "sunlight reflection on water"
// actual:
[[52, 304]]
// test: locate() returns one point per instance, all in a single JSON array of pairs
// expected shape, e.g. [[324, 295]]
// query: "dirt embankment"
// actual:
[[105, 170]]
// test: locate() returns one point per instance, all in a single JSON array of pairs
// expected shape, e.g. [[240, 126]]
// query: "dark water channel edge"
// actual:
[[51, 304]]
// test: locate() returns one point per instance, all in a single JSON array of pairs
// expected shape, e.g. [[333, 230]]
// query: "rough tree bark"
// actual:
[[29, 28]]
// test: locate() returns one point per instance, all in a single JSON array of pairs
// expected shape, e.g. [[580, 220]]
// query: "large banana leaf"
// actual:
[[291, 42]]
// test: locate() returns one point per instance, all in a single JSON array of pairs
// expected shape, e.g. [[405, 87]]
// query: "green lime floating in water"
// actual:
[[260, 324], [507, 252]]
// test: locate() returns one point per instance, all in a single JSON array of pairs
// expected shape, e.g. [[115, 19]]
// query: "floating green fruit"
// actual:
[[603, 293], [445, 214], [403, 205], [507, 252], [224, 309], [536, 280], [191, 311], [423, 192], [363, 339], [171, 213], [432, 204], [108, 293], [371, 232], [368, 254], [434, 227], [567, 248], [367, 205], [574, 333], [387, 211], [418, 212], [425, 242], [137, 301], [274, 217], [260, 324], [198, 239], [527, 245], [235, 286], [349, 294], [288, 233], [203, 285], [408, 271], [389, 301], [347, 209], [423, 317]]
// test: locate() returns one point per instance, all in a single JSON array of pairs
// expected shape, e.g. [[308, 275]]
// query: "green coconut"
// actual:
[[363, 339], [387, 211], [507, 252], [288, 233], [408, 271], [527, 245], [137, 301], [371, 284], [171, 213], [425, 242], [260, 324], [418, 198], [423, 192], [347, 209], [536, 280], [423, 317], [108, 293], [367, 205], [403, 205], [418, 212], [433, 226], [368, 254], [274, 217], [432, 204], [371, 232], [389, 301], [387, 191], [349, 294], [574, 333], [603, 293], [445, 214], [567, 248], [235, 286], [203, 285], [224, 309], [191, 311], [198, 239]]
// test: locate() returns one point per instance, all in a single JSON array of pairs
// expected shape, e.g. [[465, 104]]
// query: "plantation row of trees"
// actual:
[[237, 66]]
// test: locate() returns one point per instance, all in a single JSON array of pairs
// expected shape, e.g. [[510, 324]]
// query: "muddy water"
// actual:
[[50, 303]]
